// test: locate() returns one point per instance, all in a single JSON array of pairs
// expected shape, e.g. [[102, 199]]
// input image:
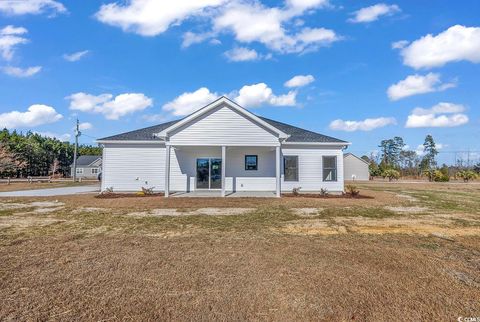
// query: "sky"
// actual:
[[361, 71]]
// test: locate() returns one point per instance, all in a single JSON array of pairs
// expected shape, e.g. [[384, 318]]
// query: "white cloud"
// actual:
[[440, 115], [299, 81], [242, 54], [372, 13], [85, 126], [365, 125], [21, 72], [417, 84], [400, 44], [254, 22], [152, 17], [420, 148], [111, 107], [22, 7], [454, 44], [75, 56], [35, 115], [9, 39], [260, 94], [189, 102], [62, 137]]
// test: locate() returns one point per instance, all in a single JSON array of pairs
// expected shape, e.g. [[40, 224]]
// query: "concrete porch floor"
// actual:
[[229, 194]]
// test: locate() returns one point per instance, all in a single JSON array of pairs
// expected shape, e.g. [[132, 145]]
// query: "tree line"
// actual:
[[31, 154], [394, 161]]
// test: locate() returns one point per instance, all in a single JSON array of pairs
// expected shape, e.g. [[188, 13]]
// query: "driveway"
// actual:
[[51, 192]]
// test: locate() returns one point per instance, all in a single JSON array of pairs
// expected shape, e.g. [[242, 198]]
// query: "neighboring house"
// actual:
[[88, 166], [355, 168], [223, 147]]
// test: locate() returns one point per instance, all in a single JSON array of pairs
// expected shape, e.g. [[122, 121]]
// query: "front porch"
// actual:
[[222, 171]]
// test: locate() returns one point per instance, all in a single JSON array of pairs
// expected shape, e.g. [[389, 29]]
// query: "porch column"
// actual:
[[224, 160], [167, 170], [277, 168]]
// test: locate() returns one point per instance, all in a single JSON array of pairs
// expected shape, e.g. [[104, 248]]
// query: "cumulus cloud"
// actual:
[[299, 81], [111, 107], [35, 115], [23, 7], [73, 57], [249, 96], [248, 21], [457, 43], [372, 13], [421, 149], [260, 94], [238, 54], [189, 102], [10, 38], [85, 126], [152, 17], [365, 125], [440, 115], [400, 44], [417, 84], [21, 72]]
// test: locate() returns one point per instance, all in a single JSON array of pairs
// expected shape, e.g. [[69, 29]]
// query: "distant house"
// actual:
[[225, 148], [355, 168], [88, 166]]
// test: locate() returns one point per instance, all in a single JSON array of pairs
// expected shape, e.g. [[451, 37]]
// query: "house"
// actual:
[[355, 168], [88, 166], [225, 148]]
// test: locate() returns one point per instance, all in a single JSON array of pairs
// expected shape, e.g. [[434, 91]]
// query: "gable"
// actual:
[[223, 125]]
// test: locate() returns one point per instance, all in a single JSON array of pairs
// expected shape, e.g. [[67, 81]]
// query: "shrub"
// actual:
[[108, 190], [296, 191], [467, 175], [323, 192], [352, 190], [391, 174], [147, 191]]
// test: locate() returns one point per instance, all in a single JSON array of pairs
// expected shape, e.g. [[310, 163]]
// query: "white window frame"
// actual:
[[335, 169], [297, 168], [94, 169], [79, 170]]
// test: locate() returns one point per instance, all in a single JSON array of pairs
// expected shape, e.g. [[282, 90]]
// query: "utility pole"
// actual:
[[77, 134]]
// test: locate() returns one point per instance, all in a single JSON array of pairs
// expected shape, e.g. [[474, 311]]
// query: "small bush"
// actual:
[[467, 175], [352, 190], [147, 191], [323, 192], [296, 191], [391, 174]]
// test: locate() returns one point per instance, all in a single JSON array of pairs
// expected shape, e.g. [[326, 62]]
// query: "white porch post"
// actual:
[[167, 170], [224, 160], [277, 168]]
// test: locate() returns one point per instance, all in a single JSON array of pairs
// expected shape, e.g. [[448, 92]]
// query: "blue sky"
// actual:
[[123, 65]]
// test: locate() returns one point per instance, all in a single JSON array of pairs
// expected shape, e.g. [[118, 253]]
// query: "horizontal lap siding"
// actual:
[[123, 164], [355, 167], [310, 169], [223, 126]]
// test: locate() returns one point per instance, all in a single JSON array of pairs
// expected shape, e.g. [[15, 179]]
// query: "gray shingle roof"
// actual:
[[296, 134], [85, 160]]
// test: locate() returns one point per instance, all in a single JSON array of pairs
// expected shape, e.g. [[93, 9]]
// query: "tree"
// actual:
[[430, 150], [467, 175], [390, 151], [391, 174], [9, 162], [476, 168], [409, 162]]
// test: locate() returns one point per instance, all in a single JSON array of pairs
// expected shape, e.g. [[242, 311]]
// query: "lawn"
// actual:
[[17, 186], [409, 252]]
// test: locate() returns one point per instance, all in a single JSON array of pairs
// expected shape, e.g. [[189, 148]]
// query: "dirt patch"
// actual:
[[22, 221], [329, 196], [196, 212], [307, 212], [407, 210], [128, 195]]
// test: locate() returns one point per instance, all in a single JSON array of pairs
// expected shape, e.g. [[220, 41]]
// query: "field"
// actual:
[[404, 252], [25, 185]]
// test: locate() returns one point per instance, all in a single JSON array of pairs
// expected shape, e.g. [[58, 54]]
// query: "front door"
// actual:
[[209, 173]]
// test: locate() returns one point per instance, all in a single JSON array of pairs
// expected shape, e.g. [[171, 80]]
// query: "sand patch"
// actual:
[[428, 225], [196, 212], [306, 212], [20, 222], [407, 210]]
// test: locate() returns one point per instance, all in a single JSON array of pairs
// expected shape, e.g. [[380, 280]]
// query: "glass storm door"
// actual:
[[215, 173], [209, 173]]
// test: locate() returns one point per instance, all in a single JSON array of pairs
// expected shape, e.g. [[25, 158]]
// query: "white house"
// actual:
[[226, 148], [88, 166], [355, 168]]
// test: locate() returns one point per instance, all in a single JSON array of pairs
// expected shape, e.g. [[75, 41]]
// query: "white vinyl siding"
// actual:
[[223, 126], [310, 168], [355, 168]]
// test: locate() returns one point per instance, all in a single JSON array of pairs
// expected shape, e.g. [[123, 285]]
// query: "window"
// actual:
[[79, 170], [329, 168], [290, 167], [251, 162], [94, 171]]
